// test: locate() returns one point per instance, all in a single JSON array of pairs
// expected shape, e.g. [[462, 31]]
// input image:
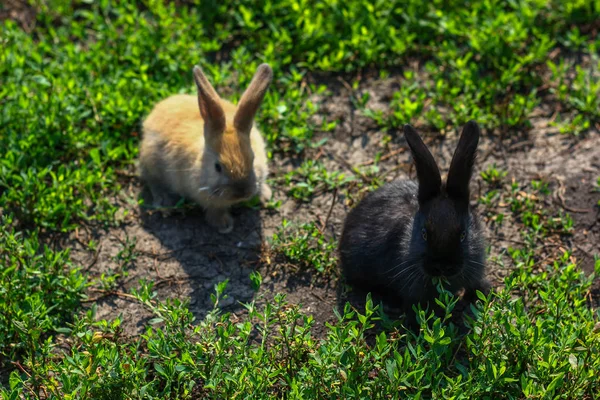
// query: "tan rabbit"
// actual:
[[215, 157]]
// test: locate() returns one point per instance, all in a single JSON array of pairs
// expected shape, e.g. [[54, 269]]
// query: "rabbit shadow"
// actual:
[[205, 256]]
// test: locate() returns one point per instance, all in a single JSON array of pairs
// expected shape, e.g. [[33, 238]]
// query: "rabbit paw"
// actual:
[[265, 193], [162, 198], [220, 219]]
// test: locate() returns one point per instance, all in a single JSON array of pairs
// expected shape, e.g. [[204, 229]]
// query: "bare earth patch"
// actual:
[[186, 259]]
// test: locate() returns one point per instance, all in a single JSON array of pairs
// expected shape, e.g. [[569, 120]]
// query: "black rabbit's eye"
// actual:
[[463, 235], [218, 167], [424, 234]]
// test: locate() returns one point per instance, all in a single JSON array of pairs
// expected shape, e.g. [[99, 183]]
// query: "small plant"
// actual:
[[40, 290], [306, 246], [493, 176], [580, 94], [271, 350], [311, 178]]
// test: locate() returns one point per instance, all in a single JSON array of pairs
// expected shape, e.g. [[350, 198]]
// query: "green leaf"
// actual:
[[160, 369], [555, 383], [95, 154]]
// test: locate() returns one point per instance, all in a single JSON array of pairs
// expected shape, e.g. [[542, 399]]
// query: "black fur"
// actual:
[[403, 234]]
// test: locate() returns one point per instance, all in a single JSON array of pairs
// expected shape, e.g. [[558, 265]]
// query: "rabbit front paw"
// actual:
[[220, 219], [161, 197]]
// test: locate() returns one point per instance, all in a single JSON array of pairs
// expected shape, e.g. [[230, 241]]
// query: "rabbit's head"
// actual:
[[227, 162], [445, 236]]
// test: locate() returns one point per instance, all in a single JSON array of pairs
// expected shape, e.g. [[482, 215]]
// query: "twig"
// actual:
[[518, 145], [391, 171], [179, 280], [383, 158], [106, 293], [334, 198], [351, 168], [215, 257], [573, 210], [317, 296], [95, 259], [559, 195], [456, 352], [126, 174], [319, 154], [487, 153], [18, 364], [346, 84]]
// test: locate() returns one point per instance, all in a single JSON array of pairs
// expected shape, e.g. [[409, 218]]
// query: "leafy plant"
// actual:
[[493, 176], [306, 246], [39, 291], [311, 178]]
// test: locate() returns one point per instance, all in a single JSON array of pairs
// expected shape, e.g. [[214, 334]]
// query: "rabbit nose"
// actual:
[[434, 269], [438, 270]]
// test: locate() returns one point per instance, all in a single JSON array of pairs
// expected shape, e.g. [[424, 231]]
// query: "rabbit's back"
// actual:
[[374, 233]]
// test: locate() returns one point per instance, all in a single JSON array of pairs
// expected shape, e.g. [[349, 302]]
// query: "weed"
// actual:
[[311, 178], [39, 292], [551, 332], [493, 176], [306, 246], [580, 94]]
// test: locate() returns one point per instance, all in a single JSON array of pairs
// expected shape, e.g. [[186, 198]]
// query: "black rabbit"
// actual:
[[403, 234]]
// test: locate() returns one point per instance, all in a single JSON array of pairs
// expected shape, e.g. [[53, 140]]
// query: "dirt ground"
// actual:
[[186, 258]]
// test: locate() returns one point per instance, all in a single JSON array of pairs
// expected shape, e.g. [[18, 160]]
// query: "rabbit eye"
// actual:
[[218, 167], [463, 235], [424, 234]]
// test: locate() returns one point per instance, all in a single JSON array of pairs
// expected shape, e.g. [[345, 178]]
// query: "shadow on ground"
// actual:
[[205, 256]]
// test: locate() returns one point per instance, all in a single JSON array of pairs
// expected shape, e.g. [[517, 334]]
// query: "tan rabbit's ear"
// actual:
[[252, 97], [209, 101]]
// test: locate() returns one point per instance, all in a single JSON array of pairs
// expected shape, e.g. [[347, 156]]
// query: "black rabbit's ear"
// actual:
[[461, 167], [428, 173]]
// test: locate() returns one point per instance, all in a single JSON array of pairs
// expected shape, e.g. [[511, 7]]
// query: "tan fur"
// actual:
[[178, 156], [235, 153], [177, 121]]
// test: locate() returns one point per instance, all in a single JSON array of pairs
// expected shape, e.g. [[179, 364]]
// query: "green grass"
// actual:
[[542, 344], [73, 93], [312, 178], [39, 289], [306, 246]]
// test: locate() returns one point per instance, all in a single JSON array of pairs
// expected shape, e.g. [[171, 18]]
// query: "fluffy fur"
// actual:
[[206, 149], [407, 232]]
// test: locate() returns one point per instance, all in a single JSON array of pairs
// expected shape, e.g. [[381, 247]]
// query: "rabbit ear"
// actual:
[[209, 102], [252, 97], [461, 167], [428, 173]]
